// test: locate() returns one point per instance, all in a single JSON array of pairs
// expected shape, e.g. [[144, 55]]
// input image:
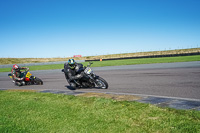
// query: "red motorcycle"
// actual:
[[29, 79]]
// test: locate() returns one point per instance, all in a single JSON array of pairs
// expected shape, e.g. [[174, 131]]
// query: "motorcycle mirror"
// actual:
[[89, 64]]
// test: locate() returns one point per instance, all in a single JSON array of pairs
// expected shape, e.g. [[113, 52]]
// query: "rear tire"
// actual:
[[101, 83]]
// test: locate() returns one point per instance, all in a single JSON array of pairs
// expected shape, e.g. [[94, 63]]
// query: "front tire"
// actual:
[[38, 81], [101, 83]]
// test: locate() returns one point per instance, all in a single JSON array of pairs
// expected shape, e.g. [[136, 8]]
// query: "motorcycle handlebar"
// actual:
[[89, 64]]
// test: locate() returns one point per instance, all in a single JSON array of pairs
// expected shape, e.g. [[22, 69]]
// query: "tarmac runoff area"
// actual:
[[184, 104], [176, 103]]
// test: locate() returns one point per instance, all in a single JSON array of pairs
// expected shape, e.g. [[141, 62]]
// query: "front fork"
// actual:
[[93, 78]]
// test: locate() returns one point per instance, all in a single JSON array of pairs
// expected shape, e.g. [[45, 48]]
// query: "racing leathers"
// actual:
[[72, 75], [17, 76]]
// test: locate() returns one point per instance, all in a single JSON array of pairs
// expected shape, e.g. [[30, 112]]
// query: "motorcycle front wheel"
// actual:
[[101, 83], [38, 81]]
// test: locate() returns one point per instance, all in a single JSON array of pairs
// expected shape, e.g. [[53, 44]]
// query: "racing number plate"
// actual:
[[28, 75], [88, 70]]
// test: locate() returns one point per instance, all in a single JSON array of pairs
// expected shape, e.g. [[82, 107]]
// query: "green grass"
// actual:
[[147, 61], [23, 112], [118, 62]]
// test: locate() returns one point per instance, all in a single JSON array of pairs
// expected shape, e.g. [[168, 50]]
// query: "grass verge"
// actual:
[[118, 62], [23, 111]]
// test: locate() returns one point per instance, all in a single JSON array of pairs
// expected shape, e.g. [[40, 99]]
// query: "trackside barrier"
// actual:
[[152, 56]]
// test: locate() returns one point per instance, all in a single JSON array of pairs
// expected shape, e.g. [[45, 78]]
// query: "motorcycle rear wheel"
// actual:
[[101, 83]]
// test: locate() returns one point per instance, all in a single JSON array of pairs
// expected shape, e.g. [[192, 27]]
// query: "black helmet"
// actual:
[[71, 63]]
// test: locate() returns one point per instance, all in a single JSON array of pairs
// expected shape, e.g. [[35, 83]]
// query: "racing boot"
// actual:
[[17, 83], [22, 83], [73, 86]]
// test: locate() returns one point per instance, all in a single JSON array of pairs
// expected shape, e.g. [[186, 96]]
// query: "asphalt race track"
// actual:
[[166, 80]]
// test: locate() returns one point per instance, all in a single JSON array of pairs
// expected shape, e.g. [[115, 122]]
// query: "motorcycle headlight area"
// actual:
[[88, 70]]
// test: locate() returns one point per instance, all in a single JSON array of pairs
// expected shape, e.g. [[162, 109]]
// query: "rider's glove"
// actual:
[[80, 75], [21, 78]]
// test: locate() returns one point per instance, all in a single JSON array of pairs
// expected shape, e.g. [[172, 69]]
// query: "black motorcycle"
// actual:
[[90, 79]]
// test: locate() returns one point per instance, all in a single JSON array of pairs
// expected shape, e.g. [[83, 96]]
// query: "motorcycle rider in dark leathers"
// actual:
[[72, 72], [18, 79]]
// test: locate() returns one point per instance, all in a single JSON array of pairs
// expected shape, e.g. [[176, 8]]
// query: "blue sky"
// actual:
[[63, 28]]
